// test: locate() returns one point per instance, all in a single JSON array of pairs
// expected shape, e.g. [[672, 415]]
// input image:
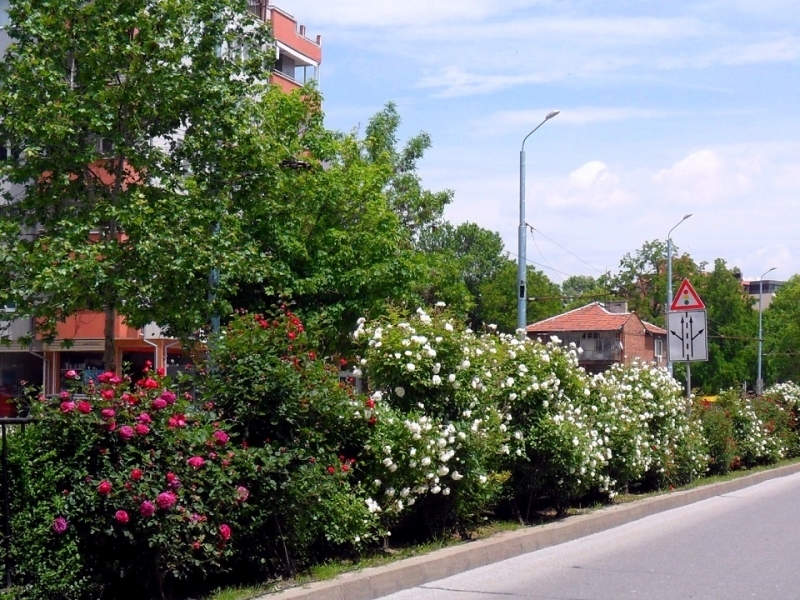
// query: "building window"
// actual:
[[658, 350]]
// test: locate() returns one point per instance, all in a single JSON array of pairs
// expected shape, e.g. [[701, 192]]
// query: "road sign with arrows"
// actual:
[[688, 336], [687, 331]]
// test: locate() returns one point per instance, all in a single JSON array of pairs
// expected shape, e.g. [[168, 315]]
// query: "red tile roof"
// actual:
[[592, 317]]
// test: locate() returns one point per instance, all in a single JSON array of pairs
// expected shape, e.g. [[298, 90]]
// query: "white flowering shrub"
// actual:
[[439, 433], [652, 436], [558, 454], [756, 424], [778, 408]]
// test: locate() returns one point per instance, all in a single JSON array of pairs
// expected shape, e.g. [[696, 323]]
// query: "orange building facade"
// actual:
[[298, 60]]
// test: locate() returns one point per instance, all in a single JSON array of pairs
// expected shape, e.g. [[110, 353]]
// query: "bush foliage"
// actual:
[[285, 460]]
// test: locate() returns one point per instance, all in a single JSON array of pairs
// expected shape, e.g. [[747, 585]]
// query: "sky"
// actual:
[[667, 108]]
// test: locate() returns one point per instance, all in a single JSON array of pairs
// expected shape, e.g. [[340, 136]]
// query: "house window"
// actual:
[[658, 350]]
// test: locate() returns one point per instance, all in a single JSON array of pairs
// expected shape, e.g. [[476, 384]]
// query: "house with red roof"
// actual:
[[607, 334]]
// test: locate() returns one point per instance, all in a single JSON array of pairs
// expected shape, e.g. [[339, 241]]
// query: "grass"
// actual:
[[334, 568]]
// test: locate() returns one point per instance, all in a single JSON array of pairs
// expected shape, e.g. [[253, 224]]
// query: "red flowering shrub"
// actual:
[[113, 493], [288, 405]]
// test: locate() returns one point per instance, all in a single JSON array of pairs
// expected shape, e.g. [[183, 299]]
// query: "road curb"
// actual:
[[374, 582]]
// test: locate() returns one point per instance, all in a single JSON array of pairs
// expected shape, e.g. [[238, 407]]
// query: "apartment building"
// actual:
[[298, 61]]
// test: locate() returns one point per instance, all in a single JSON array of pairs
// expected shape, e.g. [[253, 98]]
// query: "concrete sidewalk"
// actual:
[[374, 582]]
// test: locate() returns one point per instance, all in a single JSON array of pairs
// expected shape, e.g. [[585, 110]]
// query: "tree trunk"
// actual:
[[109, 355]]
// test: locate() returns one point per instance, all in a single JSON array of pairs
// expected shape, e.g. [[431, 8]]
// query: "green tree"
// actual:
[[642, 278], [499, 300], [731, 323], [580, 290], [781, 325], [473, 254], [132, 126], [419, 209], [325, 228]]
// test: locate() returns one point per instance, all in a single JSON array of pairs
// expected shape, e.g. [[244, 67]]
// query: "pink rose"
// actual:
[[107, 394], [141, 429], [220, 437], [126, 432], [104, 489], [169, 397], [121, 517], [144, 418], [60, 525], [150, 384], [196, 462], [225, 532], [242, 493], [159, 404], [67, 407], [166, 500], [147, 509], [64, 395], [71, 374], [108, 413]]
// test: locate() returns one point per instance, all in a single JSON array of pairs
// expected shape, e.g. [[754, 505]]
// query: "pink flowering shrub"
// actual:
[[131, 489]]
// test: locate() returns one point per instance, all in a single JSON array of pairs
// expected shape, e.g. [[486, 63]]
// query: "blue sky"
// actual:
[[667, 108]]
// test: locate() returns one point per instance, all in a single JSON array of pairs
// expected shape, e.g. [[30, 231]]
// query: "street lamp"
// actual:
[[669, 278], [522, 267], [759, 381]]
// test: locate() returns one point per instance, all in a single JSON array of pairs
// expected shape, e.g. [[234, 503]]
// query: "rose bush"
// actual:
[[288, 405], [123, 487], [653, 438]]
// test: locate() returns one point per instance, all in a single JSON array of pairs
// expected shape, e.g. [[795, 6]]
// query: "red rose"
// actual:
[[107, 394], [108, 413], [142, 429], [104, 489], [84, 407], [370, 403], [225, 532], [136, 474], [121, 517], [162, 372], [331, 470], [345, 467]]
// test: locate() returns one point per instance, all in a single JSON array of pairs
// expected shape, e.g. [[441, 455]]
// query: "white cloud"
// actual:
[[706, 177], [591, 187]]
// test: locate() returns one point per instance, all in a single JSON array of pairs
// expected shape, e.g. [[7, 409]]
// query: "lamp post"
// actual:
[[522, 267], [669, 278], [759, 381]]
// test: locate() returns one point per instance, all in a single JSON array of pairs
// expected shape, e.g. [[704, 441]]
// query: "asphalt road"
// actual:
[[745, 544]]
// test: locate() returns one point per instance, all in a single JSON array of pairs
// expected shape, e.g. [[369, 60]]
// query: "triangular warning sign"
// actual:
[[686, 298]]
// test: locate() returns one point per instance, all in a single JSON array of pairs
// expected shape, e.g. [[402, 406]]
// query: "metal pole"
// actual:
[[688, 381], [759, 381], [669, 283], [669, 296], [522, 264], [6, 511]]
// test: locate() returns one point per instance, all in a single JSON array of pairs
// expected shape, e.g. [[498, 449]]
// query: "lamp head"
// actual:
[[552, 114]]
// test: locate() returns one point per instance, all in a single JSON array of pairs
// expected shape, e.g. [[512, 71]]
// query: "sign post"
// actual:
[[687, 330]]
